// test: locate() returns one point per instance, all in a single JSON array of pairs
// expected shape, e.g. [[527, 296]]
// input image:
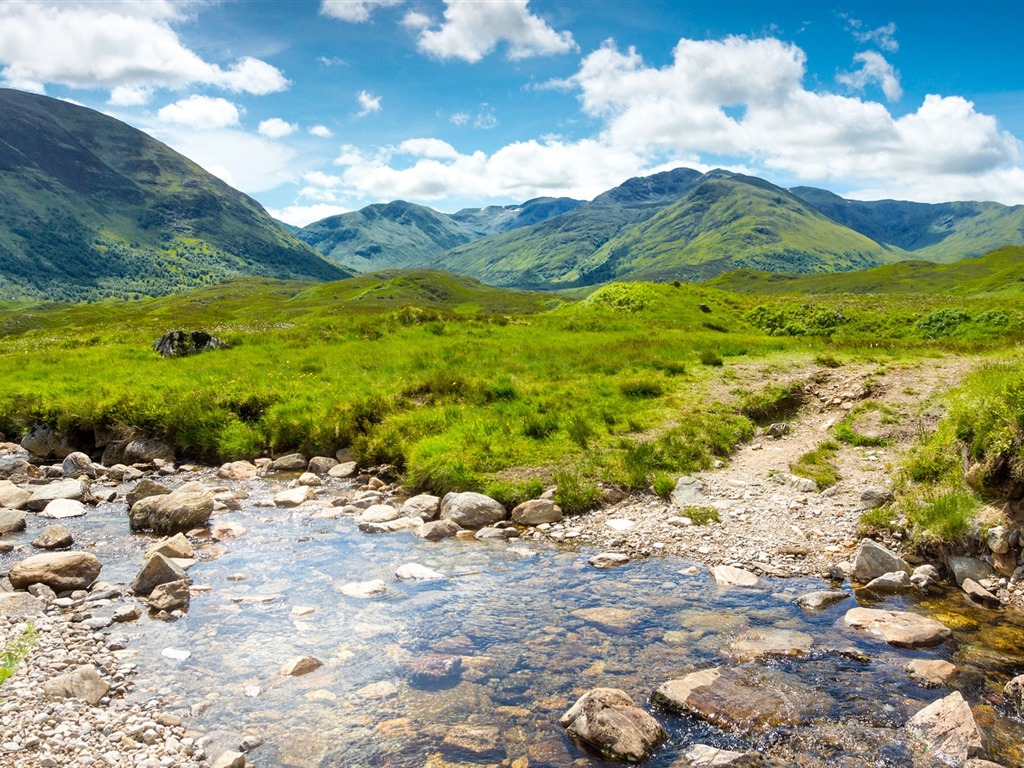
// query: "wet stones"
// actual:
[[434, 671], [874, 560], [931, 673], [294, 497], [364, 589], [605, 560], [537, 512], [1013, 695], [616, 621], [436, 530], [293, 462], [60, 571], [11, 521], [53, 537], [703, 756], [818, 601], [300, 665], [417, 572], [731, 576], [71, 488], [898, 628], [155, 571], [979, 594], [608, 720], [170, 596], [61, 509], [472, 510], [424, 506], [183, 509], [770, 643], [948, 731]]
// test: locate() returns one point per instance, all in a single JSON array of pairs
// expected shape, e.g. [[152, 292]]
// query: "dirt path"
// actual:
[[769, 521]]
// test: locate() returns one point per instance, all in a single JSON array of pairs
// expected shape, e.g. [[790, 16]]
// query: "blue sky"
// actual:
[[321, 106]]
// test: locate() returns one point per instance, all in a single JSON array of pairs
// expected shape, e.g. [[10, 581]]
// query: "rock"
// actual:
[[731, 576], [300, 665], [930, 673], [620, 524], [392, 526], [982, 764], [20, 605], [703, 756], [969, 568], [344, 470], [979, 594], [176, 546], [438, 529], [429, 671], [62, 509], [1013, 695], [229, 759], [184, 343], [496, 532], [999, 540], [904, 630], [45, 442], [378, 513], [769, 643], [311, 479], [126, 613], [170, 596], [605, 560], [83, 683], [293, 462], [948, 730], [801, 484], [925, 577], [364, 589], [875, 496], [77, 464], [238, 470], [71, 488], [147, 450], [898, 581], [536, 512], [155, 571], [1005, 563], [144, 489], [13, 497], [183, 509], [11, 521], [608, 720], [874, 560], [617, 621], [778, 430], [475, 741], [417, 572], [293, 497], [689, 492], [424, 506], [380, 690], [53, 537], [472, 510], [60, 571], [321, 465], [816, 601]]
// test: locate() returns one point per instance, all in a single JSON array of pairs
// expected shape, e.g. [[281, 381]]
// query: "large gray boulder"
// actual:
[[948, 731], [146, 450], [899, 628], [436, 530], [60, 571], [969, 568], [608, 720], [155, 571], [144, 489], [82, 683], [77, 464], [183, 343], [425, 506], [46, 443], [689, 492], [472, 510], [184, 508], [292, 462], [71, 488], [874, 560]]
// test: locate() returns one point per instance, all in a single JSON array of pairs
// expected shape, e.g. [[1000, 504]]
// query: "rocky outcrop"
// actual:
[[44, 441], [607, 719], [183, 343], [60, 571]]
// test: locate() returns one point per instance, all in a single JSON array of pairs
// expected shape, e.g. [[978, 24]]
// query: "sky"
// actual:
[[317, 107]]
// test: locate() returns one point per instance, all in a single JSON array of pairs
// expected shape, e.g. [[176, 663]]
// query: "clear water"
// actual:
[[510, 613]]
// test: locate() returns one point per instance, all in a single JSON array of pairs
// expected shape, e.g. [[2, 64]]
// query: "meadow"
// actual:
[[464, 387]]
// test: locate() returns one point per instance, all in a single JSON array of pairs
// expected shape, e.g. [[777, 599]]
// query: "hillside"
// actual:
[[93, 208], [496, 219]]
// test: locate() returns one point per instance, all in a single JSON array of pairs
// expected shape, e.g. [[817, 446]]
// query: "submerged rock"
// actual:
[[770, 643], [899, 628], [609, 721], [731, 576], [948, 730], [703, 756], [816, 601]]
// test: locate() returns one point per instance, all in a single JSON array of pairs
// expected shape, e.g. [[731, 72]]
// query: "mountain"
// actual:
[[676, 225], [496, 219], [92, 208], [941, 232]]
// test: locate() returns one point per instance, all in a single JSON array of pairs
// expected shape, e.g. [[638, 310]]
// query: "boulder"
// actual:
[[874, 560], [70, 488], [392, 526], [170, 596], [17, 469], [183, 343], [472, 510], [155, 571], [898, 628], [689, 492], [703, 756], [292, 462], [11, 521], [53, 537], [417, 572], [731, 576], [979, 594], [229, 759], [364, 589], [998, 540], [61, 509], [378, 513], [931, 673], [311, 479], [343, 470], [436, 530], [875, 496], [537, 512], [176, 546], [424, 506], [428, 671], [948, 731], [969, 568], [293, 497], [146, 450], [78, 464], [60, 571], [20, 605], [144, 489], [605, 560], [1013, 695], [768, 642], [321, 465], [897, 581], [816, 601], [13, 497], [237, 470], [300, 665], [183, 509], [607, 720], [44, 441], [82, 683]]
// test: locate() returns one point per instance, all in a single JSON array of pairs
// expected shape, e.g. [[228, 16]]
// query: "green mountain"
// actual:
[[496, 219], [677, 225], [998, 273], [92, 208], [941, 232]]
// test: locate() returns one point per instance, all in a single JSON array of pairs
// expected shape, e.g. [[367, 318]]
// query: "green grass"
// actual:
[[12, 654], [701, 515], [846, 430], [818, 465]]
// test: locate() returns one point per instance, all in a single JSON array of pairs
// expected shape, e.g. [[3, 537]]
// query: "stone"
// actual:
[[380, 690], [436, 530], [898, 628], [979, 594], [147, 450], [70, 488], [1004, 563], [155, 571], [875, 496], [704, 756], [769, 643], [300, 665], [620, 524], [1013, 695], [998, 540], [475, 741], [144, 489], [77, 464], [62, 509], [20, 605], [778, 430], [816, 601], [126, 613], [931, 673], [537, 512], [292, 462], [496, 532], [229, 759], [53, 537], [617, 621], [11, 521], [608, 720], [689, 492], [44, 441], [948, 730], [392, 526], [604, 560], [184, 343], [176, 546], [429, 671], [321, 465], [238, 470], [731, 576], [969, 568], [343, 470], [311, 479], [378, 513], [83, 683], [60, 571], [13, 497], [364, 589], [417, 572], [293, 497], [170, 596], [925, 577], [183, 509], [898, 581], [472, 510], [874, 560], [425, 506]]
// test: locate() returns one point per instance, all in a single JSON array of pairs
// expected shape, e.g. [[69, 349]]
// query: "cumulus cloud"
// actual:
[[320, 131], [368, 103], [112, 45], [873, 69], [130, 95], [471, 30], [200, 112], [354, 11], [276, 128], [302, 215]]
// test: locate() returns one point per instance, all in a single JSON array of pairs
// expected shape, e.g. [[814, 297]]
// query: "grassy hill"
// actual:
[[92, 208]]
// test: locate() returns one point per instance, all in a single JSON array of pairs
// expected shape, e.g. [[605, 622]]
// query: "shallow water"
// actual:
[[511, 613]]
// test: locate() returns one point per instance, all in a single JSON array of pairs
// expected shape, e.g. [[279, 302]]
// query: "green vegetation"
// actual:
[[701, 515], [12, 654], [850, 430], [772, 403], [818, 465]]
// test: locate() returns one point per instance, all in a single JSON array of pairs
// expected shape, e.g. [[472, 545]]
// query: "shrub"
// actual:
[[710, 357], [942, 322], [663, 484], [642, 388]]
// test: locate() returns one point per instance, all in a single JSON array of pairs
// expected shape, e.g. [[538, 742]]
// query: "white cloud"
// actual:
[[884, 37], [471, 30], [276, 128], [415, 20], [320, 131], [112, 45], [460, 118], [130, 95], [301, 215], [200, 112], [368, 103], [320, 179], [435, 148], [355, 11], [874, 69], [485, 118]]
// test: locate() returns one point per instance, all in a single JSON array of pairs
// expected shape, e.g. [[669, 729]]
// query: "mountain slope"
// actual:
[[92, 208], [496, 219]]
